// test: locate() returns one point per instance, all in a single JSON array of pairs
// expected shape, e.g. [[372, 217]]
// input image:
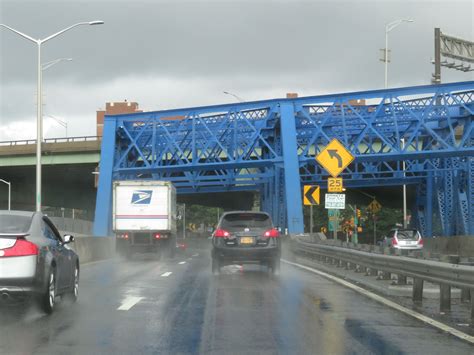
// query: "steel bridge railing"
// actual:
[[52, 140]]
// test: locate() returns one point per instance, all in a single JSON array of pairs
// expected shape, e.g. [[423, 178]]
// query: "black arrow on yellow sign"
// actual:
[[311, 195], [334, 154]]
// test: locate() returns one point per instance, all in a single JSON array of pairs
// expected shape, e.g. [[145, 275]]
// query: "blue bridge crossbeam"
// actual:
[[270, 147]]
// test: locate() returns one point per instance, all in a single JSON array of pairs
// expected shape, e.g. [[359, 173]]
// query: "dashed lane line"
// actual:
[[380, 299], [182, 262], [129, 302], [166, 274]]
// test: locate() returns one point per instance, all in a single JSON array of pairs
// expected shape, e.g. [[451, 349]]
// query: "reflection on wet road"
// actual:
[[131, 307]]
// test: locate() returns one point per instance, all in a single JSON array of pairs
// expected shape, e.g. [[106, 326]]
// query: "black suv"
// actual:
[[246, 237]]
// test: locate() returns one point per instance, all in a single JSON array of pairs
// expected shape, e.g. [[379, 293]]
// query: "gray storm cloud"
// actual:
[[170, 54]]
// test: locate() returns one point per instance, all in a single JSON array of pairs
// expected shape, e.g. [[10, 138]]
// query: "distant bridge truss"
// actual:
[[270, 146]]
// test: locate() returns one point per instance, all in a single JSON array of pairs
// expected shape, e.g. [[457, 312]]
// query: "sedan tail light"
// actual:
[[221, 233], [272, 233], [21, 248]]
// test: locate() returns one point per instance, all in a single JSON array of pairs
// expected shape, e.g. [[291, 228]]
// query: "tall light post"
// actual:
[[389, 27], [9, 192], [39, 108], [233, 95]]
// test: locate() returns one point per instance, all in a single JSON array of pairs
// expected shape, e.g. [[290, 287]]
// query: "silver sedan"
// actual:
[[35, 261]]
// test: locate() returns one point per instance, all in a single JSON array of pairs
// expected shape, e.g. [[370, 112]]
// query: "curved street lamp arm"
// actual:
[[49, 64], [20, 33], [62, 31], [390, 26]]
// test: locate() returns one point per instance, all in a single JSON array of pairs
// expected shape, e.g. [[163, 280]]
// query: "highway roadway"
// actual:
[[150, 306]]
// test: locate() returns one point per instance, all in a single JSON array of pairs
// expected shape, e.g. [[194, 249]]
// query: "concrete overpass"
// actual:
[[68, 164]]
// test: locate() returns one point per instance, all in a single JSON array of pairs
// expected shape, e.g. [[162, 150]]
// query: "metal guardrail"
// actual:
[[444, 274], [52, 140]]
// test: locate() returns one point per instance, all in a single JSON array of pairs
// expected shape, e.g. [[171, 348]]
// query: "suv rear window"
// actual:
[[10, 224], [409, 234], [246, 220]]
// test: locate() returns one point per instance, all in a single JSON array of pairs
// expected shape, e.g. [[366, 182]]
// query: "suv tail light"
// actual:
[[272, 233], [420, 241], [221, 233], [21, 248], [394, 241]]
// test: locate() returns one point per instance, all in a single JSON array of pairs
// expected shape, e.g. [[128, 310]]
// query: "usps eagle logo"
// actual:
[[141, 197]]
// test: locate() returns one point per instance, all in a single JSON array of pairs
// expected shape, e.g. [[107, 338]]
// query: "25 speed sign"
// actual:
[[335, 185]]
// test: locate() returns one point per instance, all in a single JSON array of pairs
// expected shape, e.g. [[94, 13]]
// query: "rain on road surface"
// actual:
[[150, 306]]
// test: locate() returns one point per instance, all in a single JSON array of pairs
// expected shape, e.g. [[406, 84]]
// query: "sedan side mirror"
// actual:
[[68, 239]]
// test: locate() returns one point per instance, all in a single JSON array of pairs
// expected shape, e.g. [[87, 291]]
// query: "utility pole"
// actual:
[[374, 217], [184, 221]]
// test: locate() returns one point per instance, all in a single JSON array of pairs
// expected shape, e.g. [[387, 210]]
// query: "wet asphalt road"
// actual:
[[184, 309]]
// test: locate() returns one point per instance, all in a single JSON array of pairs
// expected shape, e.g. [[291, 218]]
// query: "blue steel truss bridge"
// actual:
[[270, 146]]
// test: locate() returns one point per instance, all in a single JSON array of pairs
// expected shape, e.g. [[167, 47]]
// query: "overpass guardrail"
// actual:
[[52, 140], [444, 274]]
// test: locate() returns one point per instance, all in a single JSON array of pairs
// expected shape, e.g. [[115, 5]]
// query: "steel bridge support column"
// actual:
[[420, 207], [294, 207], [470, 189], [429, 206], [445, 194], [103, 206]]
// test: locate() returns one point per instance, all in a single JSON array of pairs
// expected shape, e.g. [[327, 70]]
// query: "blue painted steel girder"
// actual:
[[211, 147]]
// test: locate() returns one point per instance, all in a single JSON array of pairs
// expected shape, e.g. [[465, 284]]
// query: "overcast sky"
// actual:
[[169, 54]]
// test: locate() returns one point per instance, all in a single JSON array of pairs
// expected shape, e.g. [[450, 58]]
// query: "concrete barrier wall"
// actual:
[[73, 225], [458, 245], [94, 248]]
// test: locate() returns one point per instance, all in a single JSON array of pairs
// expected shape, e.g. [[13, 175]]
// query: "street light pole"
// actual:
[[388, 27], [231, 94], [39, 108], [9, 192]]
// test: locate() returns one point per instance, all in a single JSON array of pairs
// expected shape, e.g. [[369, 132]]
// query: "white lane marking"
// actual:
[[166, 274], [195, 255], [182, 262], [380, 299], [129, 302]]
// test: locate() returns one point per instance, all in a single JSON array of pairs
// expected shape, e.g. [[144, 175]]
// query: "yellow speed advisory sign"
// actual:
[[335, 185], [334, 158]]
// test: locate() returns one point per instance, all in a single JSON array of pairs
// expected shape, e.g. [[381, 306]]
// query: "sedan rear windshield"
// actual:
[[407, 234], [246, 220], [10, 224]]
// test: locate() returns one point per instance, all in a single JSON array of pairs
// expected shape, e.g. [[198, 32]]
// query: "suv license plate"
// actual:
[[246, 240]]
